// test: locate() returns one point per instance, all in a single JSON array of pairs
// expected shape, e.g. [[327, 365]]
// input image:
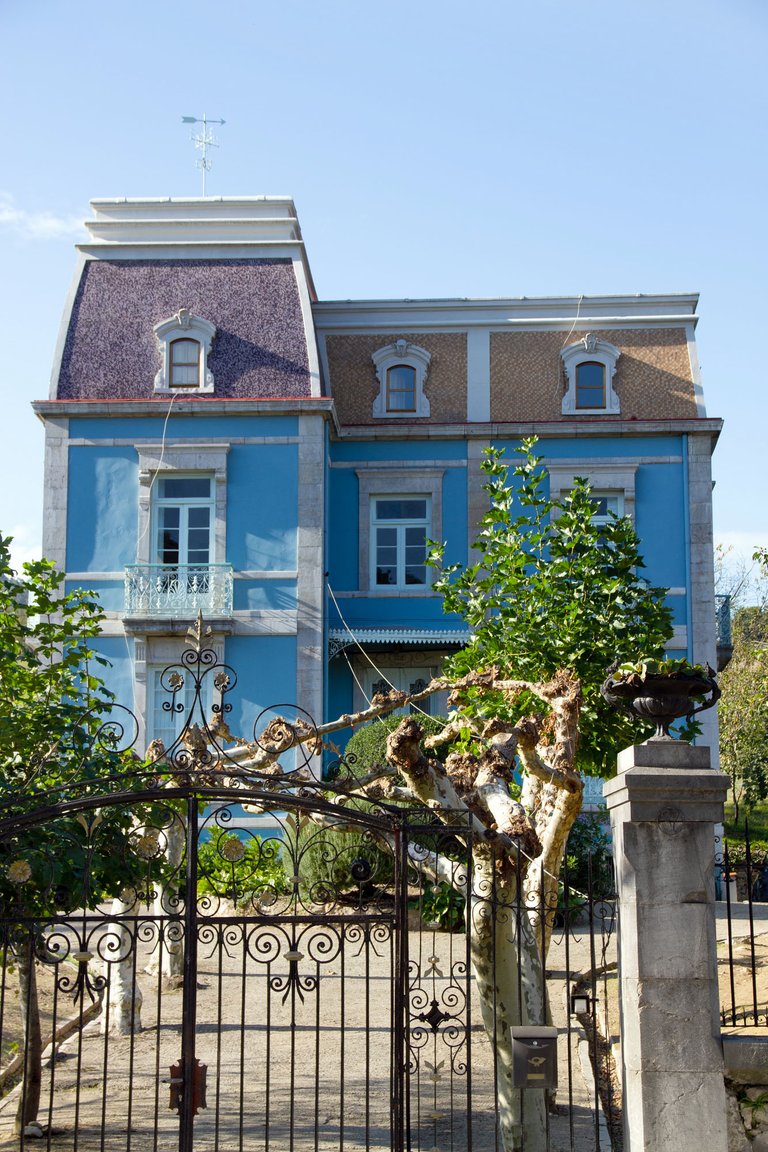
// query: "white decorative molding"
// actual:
[[184, 326], [195, 458], [383, 481], [602, 477], [590, 349], [411, 355]]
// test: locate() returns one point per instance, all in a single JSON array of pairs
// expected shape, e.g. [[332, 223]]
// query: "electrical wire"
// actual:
[[373, 665], [154, 475]]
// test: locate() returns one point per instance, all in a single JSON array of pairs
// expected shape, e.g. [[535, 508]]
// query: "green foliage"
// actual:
[[443, 905], [239, 868], [552, 590], [743, 714], [57, 731], [588, 857], [750, 626], [737, 852], [367, 747]]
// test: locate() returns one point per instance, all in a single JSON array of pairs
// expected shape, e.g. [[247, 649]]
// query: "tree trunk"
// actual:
[[29, 1099], [122, 1010], [510, 985]]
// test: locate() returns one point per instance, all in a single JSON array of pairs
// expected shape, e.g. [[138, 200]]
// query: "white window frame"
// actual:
[[605, 479], [610, 494], [401, 352], [400, 669], [396, 481], [196, 459], [400, 526], [184, 326], [184, 504], [588, 350], [153, 654]]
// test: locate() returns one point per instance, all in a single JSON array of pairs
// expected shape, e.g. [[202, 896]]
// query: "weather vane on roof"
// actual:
[[203, 140]]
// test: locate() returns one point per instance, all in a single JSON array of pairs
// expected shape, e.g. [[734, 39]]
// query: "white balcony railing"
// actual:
[[178, 590]]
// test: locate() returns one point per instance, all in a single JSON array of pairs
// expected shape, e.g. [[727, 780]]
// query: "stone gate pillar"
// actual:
[[663, 805]]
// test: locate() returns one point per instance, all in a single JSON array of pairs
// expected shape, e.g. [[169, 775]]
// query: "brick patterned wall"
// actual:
[[354, 385], [653, 375]]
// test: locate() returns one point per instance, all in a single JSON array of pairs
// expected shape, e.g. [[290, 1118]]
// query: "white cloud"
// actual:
[[36, 225]]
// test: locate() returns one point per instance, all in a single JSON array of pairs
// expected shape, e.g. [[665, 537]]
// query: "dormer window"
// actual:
[[185, 364], [401, 369], [590, 385], [590, 366], [401, 388], [185, 344]]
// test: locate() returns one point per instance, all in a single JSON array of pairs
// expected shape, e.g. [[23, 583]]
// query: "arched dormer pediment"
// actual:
[[590, 366], [401, 369], [185, 343]]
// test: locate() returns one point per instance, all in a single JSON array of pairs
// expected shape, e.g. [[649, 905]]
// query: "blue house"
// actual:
[[219, 439]]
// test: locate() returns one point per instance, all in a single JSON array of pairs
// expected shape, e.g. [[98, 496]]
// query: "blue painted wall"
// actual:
[[102, 503], [197, 427], [262, 500], [266, 675]]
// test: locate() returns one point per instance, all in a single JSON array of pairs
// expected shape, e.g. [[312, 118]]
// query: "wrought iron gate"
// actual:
[[192, 963]]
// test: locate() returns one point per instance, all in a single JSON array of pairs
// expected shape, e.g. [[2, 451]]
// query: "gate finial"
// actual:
[[197, 634]]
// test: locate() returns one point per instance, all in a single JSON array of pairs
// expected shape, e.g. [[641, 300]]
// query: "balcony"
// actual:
[[178, 591]]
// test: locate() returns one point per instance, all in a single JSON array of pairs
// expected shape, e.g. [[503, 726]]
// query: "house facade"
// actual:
[[219, 439]]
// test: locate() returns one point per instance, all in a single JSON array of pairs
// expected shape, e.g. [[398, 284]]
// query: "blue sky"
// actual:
[[433, 148]]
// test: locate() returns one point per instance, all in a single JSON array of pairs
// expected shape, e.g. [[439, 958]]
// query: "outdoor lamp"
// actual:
[[581, 1003]]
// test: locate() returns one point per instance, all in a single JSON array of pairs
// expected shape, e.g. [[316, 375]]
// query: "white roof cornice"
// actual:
[[582, 313]]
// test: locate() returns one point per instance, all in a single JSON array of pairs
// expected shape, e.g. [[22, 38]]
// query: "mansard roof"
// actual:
[[260, 348]]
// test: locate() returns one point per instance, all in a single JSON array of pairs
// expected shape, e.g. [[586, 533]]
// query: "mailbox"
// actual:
[[534, 1057]]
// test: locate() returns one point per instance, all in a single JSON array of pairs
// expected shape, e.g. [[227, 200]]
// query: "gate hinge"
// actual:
[[199, 1084]]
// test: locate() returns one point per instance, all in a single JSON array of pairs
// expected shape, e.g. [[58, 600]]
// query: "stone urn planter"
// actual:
[[662, 691]]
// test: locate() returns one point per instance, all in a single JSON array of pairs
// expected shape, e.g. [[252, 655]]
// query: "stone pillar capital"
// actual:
[[666, 781]]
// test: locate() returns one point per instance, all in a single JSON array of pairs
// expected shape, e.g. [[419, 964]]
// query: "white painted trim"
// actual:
[[478, 374], [614, 461], [601, 476], [116, 576], [305, 300], [184, 326], [587, 351], [189, 457], [55, 491], [408, 478], [396, 465], [590, 311], [412, 356], [310, 562], [322, 349], [693, 358], [261, 574], [605, 426], [387, 594]]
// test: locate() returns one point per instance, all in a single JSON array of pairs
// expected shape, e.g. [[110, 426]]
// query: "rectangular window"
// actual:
[[384, 679], [184, 519], [185, 364], [606, 503], [399, 530], [401, 388], [590, 385], [165, 720]]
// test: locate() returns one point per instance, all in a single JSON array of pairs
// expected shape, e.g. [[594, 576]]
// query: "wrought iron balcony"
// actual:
[[178, 590], [723, 631]]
